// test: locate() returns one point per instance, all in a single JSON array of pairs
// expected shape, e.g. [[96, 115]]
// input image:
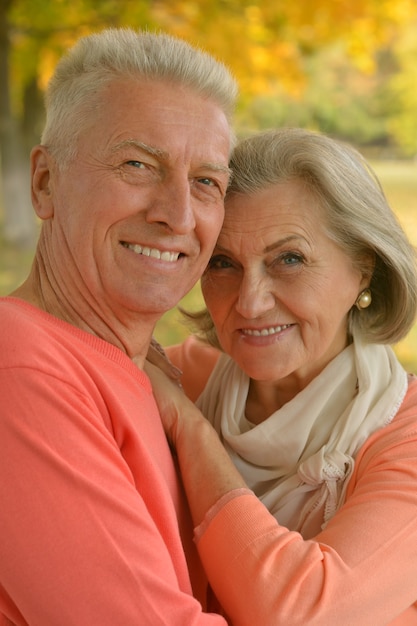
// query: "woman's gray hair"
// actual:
[[74, 91], [359, 219]]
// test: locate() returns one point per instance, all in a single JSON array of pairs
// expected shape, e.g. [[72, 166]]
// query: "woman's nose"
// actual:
[[255, 296]]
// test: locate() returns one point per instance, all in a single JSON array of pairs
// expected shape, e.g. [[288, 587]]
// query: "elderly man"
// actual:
[[129, 182]]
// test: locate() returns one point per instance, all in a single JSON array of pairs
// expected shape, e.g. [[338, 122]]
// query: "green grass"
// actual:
[[399, 180]]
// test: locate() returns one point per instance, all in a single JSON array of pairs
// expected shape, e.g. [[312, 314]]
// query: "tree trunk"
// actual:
[[19, 226]]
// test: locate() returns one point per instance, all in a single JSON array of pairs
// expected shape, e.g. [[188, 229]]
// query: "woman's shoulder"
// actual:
[[196, 360], [406, 416], [400, 435]]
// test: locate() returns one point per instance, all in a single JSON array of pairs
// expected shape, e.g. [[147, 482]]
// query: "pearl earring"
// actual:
[[364, 299]]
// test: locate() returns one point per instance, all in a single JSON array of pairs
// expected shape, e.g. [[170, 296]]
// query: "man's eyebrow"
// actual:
[[164, 156], [217, 167], [144, 147]]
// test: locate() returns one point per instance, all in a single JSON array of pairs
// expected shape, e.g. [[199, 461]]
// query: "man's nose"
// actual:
[[173, 205]]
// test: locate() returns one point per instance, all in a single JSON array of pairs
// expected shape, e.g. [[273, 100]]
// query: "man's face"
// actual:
[[137, 214]]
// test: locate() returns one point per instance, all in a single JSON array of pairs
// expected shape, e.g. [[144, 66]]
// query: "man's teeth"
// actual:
[[265, 331], [153, 252]]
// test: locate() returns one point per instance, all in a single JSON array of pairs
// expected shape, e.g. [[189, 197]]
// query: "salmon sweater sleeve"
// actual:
[[196, 360], [361, 570], [91, 507]]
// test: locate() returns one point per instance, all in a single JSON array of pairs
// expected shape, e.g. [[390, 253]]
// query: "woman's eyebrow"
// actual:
[[220, 249], [282, 242], [273, 246]]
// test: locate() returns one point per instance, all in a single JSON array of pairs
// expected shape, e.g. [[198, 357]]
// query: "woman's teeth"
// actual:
[[265, 331]]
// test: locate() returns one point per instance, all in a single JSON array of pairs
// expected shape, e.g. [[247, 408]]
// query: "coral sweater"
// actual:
[[91, 508], [361, 570]]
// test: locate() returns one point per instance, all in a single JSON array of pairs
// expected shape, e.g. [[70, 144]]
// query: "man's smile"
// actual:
[[164, 255]]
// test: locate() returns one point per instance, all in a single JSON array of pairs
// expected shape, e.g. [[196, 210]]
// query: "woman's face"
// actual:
[[277, 287]]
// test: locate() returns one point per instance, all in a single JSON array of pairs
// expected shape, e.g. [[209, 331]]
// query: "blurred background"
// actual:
[[344, 67]]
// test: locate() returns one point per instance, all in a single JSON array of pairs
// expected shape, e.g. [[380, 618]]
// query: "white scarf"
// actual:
[[299, 460]]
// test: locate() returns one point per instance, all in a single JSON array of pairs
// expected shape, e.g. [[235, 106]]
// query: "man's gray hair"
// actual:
[[74, 90]]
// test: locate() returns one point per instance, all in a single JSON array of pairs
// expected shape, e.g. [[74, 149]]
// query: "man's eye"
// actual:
[[137, 164], [207, 181], [207, 189]]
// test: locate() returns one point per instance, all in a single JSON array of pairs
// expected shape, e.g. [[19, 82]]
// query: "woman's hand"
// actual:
[[158, 357], [175, 409]]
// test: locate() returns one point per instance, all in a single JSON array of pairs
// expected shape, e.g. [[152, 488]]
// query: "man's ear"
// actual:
[[41, 178]]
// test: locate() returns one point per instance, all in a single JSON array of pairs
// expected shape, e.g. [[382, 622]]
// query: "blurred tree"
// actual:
[[338, 99], [402, 92], [18, 221], [281, 50]]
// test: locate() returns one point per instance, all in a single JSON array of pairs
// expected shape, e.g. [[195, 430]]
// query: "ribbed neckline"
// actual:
[[104, 347]]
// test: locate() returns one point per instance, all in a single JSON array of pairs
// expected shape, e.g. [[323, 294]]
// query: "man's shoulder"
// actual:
[[20, 322], [30, 337]]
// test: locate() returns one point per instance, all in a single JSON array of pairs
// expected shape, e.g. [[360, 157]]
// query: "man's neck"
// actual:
[[131, 335]]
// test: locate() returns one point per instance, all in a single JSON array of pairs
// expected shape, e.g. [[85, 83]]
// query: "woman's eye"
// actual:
[[288, 260], [291, 259], [219, 263]]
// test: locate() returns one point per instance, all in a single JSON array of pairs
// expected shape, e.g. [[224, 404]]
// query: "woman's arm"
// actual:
[[206, 469], [361, 570]]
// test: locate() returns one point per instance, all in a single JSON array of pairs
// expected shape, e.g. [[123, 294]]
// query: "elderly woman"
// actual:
[[311, 281]]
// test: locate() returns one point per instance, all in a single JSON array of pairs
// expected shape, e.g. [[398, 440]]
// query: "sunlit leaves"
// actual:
[[269, 45]]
